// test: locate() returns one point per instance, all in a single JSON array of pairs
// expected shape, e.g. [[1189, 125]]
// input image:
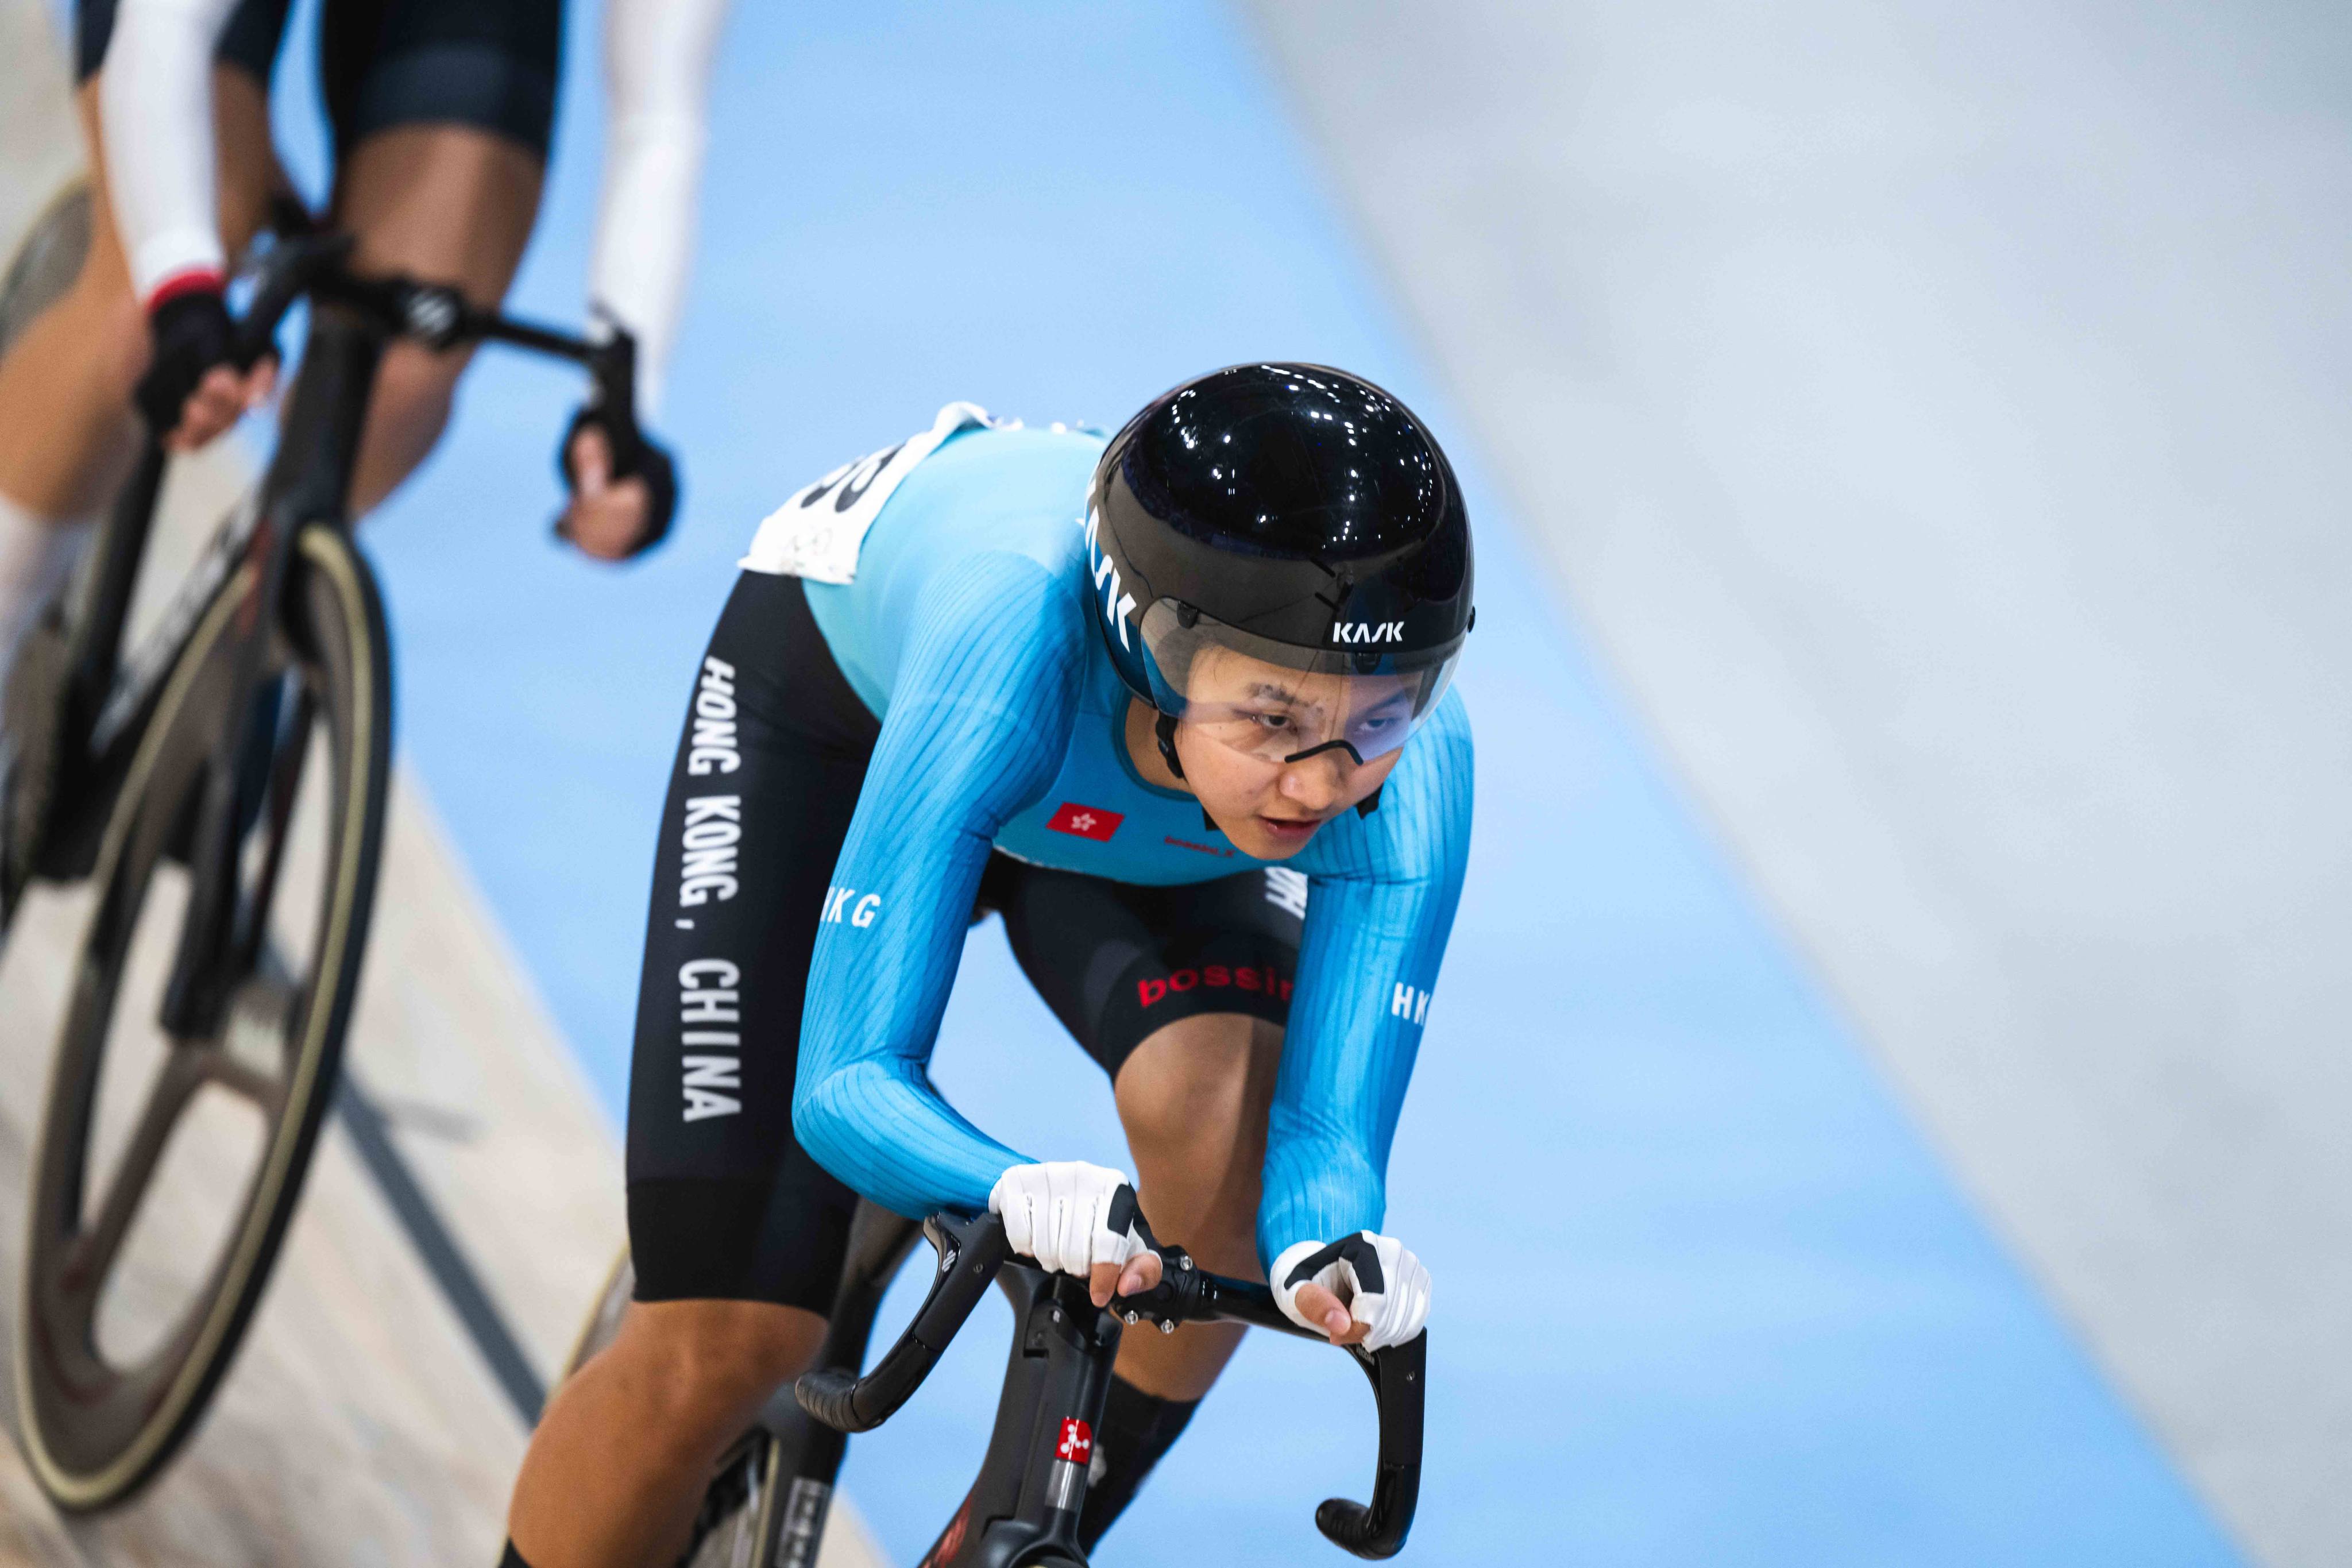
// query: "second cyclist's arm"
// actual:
[[657, 63], [1377, 922], [978, 719], [155, 111]]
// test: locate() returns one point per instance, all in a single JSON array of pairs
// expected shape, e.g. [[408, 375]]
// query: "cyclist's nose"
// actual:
[[1316, 782]]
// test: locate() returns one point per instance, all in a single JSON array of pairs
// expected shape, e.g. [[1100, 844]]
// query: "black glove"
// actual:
[[193, 333], [635, 455]]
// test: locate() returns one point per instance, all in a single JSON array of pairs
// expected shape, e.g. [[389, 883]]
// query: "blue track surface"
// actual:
[[1704, 1295]]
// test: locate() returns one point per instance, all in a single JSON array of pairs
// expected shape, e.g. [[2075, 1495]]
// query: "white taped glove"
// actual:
[[1384, 1285], [1067, 1215]]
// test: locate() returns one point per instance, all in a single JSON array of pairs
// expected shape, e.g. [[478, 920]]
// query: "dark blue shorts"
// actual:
[[489, 64]]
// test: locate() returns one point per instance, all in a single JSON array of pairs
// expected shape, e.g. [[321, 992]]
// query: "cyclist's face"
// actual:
[[1247, 718]]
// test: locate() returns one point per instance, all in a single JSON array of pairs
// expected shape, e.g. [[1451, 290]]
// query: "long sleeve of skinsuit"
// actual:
[[657, 63], [978, 719], [1384, 895], [155, 108]]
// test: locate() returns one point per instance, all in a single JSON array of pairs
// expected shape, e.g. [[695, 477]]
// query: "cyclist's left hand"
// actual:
[[605, 517], [1361, 1290]]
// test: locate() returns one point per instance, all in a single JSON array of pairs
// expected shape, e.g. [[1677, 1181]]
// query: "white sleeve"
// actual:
[[658, 61], [155, 106]]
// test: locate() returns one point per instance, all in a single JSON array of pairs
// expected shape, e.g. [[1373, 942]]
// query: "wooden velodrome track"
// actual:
[[361, 1422]]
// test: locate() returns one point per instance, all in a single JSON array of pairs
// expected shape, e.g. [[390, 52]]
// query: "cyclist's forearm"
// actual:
[[657, 63], [1378, 920], [877, 1125], [157, 114]]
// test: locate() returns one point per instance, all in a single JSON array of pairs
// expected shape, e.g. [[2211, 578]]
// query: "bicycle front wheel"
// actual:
[[168, 1166]]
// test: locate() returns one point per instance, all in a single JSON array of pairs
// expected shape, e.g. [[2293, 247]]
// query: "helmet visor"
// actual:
[[1282, 703]]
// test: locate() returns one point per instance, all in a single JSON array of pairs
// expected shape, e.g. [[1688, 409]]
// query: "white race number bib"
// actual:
[[816, 534]]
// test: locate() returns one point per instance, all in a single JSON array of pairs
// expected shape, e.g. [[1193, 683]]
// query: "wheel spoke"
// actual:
[[218, 1066], [93, 1254], [254, 1053]]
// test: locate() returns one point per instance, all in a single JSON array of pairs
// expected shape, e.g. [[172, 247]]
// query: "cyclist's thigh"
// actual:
[[1118, 963], [441, 111], [723, 1202]]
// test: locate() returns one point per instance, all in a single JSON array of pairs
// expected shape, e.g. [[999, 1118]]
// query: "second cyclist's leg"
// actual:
[[446, 203], [441, 111], [737, 1235], [67, 429]]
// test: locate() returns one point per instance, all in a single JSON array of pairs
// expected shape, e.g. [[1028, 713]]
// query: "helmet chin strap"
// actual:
[[1164, 727]]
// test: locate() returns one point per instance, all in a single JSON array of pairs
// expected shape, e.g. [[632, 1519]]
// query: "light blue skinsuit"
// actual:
[[969, 630]]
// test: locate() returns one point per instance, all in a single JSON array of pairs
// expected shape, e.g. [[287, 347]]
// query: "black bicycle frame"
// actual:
[[107, 698], [1024, 1507]]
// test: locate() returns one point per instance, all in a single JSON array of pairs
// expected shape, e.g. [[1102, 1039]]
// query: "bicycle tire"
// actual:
[[96, 1431]]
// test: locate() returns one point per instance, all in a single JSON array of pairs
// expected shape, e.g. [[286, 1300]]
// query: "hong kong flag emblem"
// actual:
[[1086, 821], [1077, 1444]]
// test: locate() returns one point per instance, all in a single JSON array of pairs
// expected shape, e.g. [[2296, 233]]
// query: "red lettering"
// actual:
[[1217, 975], [1150, 991], [1182, 980], [1285, 990], [1247, 978]]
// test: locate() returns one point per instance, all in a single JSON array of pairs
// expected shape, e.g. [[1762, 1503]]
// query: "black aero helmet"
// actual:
[[1295, 516]]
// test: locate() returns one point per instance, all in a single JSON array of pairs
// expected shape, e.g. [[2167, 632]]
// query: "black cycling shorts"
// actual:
[[723, 1202], [489, 64]]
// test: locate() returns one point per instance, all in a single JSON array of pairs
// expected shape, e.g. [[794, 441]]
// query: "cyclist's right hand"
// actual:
[[193, 390], [1076, 1218]]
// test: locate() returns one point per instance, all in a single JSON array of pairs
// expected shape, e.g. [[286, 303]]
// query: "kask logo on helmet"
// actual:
[[1117, 608], [1368, 631]]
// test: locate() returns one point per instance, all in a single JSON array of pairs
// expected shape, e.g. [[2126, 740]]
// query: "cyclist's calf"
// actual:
[[413, 390], [620, 1461], [1193, 1100]]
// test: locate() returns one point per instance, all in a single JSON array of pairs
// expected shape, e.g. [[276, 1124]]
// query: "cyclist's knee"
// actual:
[[1196, 1088], [108, 329], [1192, 1100], [709, 1353], [406, 412], [412, 394]]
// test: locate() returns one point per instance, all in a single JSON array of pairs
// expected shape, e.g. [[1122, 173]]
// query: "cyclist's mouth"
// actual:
[[1290, 830]]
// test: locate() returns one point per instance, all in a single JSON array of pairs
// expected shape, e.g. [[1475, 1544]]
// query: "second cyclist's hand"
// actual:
[[605, 517], [192, 391], [1076, 1218], [222, 398]]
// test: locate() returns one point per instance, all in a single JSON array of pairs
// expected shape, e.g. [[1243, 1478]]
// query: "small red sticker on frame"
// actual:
[[1077, 1444]]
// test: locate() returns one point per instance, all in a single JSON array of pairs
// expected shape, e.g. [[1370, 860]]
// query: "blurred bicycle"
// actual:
[[233, 902]]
